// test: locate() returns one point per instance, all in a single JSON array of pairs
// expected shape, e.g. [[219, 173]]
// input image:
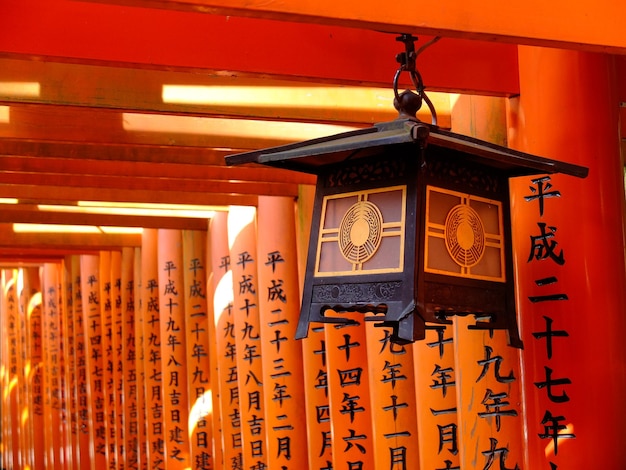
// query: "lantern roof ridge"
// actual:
[[311, 156]]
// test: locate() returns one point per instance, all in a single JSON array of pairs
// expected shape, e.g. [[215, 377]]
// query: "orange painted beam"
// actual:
[[132, 88], [82, 125], [43, 192], [129, 152], [150, 184], [227, 45], [534, 22], [83, 241], [27, 214], [82, 166]]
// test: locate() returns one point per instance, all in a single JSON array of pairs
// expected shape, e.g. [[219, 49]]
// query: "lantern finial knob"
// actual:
[[407, 104]]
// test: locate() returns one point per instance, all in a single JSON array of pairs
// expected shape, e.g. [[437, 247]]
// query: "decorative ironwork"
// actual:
[[458, 174], [353, 293], [465, 236], [360, 232], [408, 103], [366, 172]]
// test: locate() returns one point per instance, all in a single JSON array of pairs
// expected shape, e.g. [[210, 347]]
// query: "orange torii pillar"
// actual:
[[35, 376], [243, 258], [22, 363], [53, 357], [92, 325], [279, 307], [199, 368], [350, 406], [153, 392], [216, 419], [316, 404], [108, 380], [140, 366], [10, 363], [116, 358], [436, 391], [488, 392], [225, 383], [25, 410], [393, 401], [569, 247], [72, 449], [173, 349], [128, 363], [82, 397], [6, 459]]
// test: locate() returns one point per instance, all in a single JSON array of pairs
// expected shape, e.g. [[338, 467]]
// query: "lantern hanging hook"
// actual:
[[407, 102]]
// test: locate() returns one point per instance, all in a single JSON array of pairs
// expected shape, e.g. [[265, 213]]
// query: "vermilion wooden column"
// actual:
[[350, 407], [70, 376], [92, 324], [173, 349], [10, 362], [52, 337], [226, 380], [108, 380], [488, 398], [216, 418], [128, 362], [569, 247], [279, 304], [316, 404], [35, 377], [153, 393], [244, 260], [5, 458], [198, 365], [82, 397], [26, 435], [393, 401], [140, 366], [436, 391], [117, 371]]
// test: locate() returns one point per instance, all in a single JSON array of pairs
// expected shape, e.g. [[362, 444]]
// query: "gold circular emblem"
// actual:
[[360, 232], [465, 236]]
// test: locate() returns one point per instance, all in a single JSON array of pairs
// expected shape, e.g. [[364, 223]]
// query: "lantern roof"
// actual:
[[311, 156]]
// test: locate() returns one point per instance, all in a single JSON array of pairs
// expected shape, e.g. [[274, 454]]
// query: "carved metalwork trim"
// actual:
[[367, 171], [471, 177], [368, 292]]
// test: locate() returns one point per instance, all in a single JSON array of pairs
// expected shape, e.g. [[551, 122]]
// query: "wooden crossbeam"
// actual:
[[67, 194], [37, 122], [64, 241], [559, 23], [23, 256], [143, 183], [74, 31], [202, 94], [156, 172], [109, 151], [30, 214]]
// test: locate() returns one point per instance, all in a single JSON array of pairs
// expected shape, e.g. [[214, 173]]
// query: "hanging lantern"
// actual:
[[411, 223]]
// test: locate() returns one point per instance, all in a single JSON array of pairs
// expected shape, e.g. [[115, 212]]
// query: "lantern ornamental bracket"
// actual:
[[411, 225], [408, 103]]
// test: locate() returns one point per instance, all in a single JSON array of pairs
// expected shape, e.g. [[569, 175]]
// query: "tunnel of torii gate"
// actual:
[[151, 293]]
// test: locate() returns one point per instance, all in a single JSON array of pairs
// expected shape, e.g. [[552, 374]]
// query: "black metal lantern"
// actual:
[[411, 224]]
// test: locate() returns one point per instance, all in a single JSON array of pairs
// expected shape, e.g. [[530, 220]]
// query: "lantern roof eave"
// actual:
[[311, 156]]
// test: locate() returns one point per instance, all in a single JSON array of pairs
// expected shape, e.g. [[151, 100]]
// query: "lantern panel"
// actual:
[[464, 235], [363, 232]]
